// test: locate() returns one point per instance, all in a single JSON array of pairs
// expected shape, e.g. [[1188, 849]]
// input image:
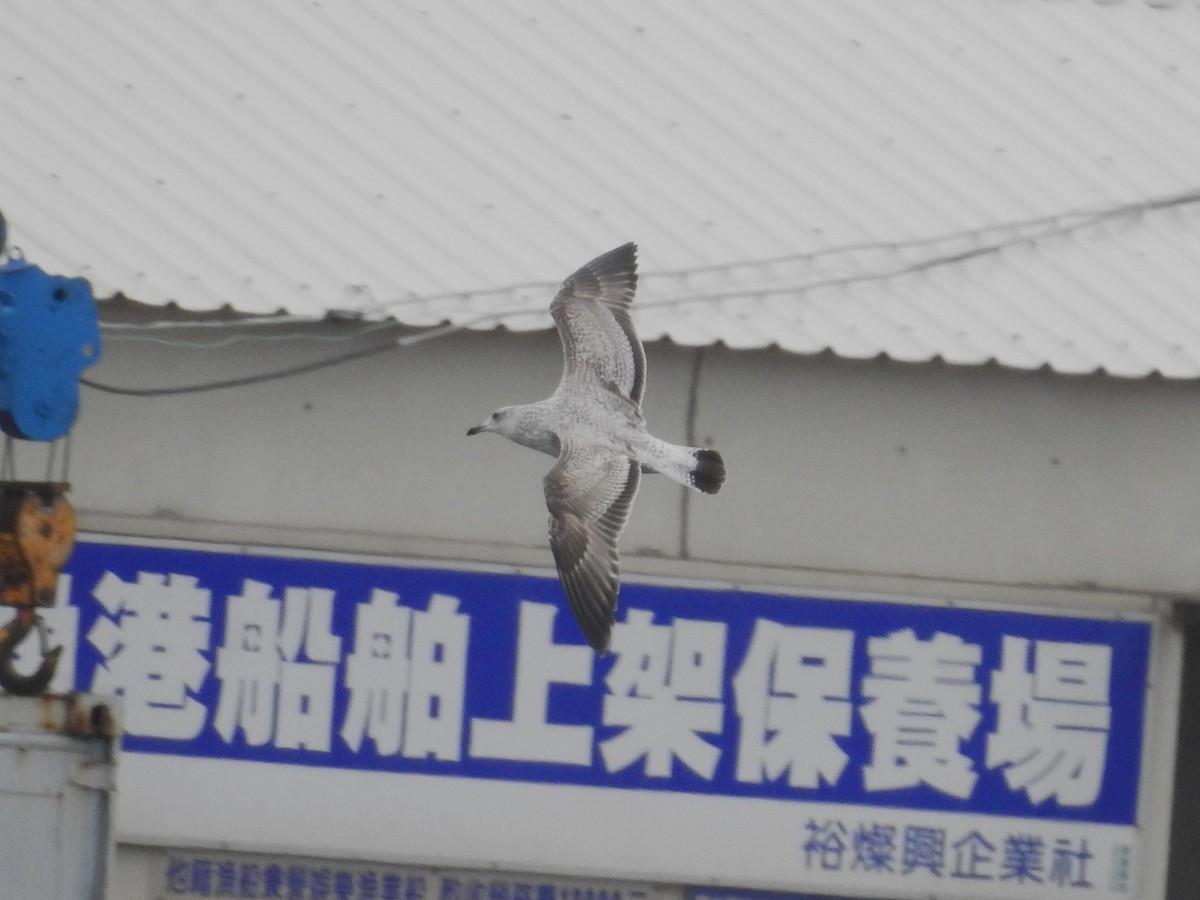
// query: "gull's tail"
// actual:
[[709, 472], [694, 467]]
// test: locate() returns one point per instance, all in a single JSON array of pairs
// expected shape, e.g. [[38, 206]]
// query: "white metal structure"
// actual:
[[58, 761], [932, 180]]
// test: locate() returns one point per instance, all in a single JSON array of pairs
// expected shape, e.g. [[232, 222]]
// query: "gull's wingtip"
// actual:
[[621, 259], [599, 639]]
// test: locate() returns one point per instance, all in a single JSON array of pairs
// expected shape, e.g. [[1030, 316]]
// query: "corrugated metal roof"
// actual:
[[1004, 181]]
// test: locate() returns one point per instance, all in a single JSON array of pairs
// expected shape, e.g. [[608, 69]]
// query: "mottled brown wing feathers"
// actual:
[[592, 314], [589, 494]]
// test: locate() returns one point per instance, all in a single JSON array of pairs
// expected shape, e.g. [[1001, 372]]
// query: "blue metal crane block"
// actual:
[[49, 333]]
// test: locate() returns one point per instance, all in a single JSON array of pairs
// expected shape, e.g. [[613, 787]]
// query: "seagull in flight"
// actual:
[[593, 425]]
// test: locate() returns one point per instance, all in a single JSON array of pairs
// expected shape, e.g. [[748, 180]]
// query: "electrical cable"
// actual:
[[132, 334], [238, 382], [1053, 225], [276, 375], [1025, 231]]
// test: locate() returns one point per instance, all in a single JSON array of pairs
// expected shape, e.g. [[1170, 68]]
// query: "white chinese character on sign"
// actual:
[[61, 624], [267, 689], [793, 698], [540, 663], [433, 720], [248, 665], [923, 702], [153, 638], [665, 691], [407, 677], [377, 674], [1052, 720], [305, 714]]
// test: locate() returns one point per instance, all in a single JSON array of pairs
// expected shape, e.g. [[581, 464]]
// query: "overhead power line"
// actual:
[[277, 374], [990, 240]]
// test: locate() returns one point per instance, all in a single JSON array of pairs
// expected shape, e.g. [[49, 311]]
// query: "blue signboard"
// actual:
[[484, 675]]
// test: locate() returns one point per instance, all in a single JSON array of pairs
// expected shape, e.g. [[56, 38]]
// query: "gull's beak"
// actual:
[[475, 430]]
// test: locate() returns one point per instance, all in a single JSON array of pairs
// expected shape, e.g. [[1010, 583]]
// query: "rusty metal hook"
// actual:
[[10, 636]]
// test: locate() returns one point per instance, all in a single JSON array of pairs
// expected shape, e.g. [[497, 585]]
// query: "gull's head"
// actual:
[[502, 421]]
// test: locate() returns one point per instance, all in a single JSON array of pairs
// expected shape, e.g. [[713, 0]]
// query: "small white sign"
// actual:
[[209, 874]]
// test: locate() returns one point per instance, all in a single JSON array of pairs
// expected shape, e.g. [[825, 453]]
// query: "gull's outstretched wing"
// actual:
[[591, 310], [589, 492]]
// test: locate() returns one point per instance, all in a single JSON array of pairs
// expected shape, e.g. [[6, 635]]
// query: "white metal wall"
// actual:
[[879, 468]]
